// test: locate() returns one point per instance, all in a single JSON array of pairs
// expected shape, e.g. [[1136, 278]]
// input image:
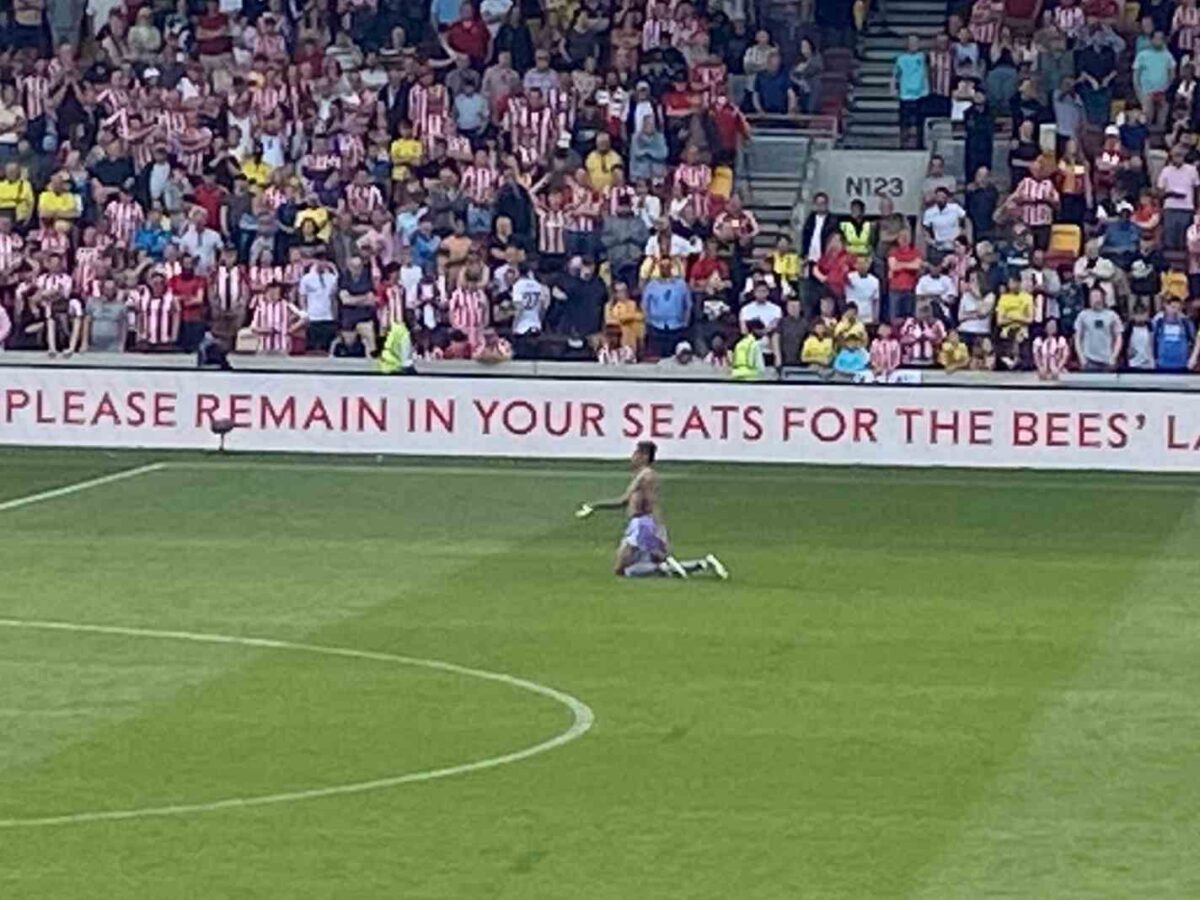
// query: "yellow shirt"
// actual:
[[404, 152], [319, 216], [787, 266], [817, 350], [58, 206], [599, 166], [954, 357], [257, 173], [17, 196], [1014, 308], [847, 330], [628, 316], [1175, 284]]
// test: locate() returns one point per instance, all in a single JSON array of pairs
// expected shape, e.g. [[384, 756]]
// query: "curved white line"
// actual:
[[582, 720]]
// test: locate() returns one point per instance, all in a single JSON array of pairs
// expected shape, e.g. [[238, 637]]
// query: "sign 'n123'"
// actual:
[[870, 176]]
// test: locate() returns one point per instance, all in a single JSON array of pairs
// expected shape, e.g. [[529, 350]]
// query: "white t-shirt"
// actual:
[[863, 291], [528, 295], [766, 312], [944, 222], [940, 285], [969, 304], [317, 289]]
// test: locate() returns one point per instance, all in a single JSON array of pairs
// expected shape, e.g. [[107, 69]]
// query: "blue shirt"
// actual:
[[446, 12], [1173, 342], [912, 76], [667, 304], [470, 110], [1153, 69], [1120, 236], [424, 250]]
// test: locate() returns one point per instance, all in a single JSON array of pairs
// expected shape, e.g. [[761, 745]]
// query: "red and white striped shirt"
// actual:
[[479, 184], [695, 177], [362, 199], [710, 77], [174, 123], [87, 270], [272, 321], [266, 98], [619, 356], [653, 31], [885, 355], [157, 318], [114, 99], [469, 312], [563, 102], [1185, 26], [1036, 200], [986, 16], [392, 300], [11, 251], [169, 268], [57, 285], [351, 148], [941, 72], [273, 196], [1070, 20], [230, 289], [35, 94], [317, 166], [1050, 354], [124, 217], [53, 241], [921, 341], [532, 131], [428, 107], [585, 209], [616, 195], [259, 277], [552, 227]]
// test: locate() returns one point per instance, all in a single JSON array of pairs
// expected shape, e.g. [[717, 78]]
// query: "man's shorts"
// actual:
[[647, 537]]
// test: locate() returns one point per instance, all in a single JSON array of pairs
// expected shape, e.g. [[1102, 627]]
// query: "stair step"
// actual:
[[859, 118], [873, 142], [874, 104]]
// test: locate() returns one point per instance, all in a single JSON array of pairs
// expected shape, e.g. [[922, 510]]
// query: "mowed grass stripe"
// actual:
[[1103, 798]]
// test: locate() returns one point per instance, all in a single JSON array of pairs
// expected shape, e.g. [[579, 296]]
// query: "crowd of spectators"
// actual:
[[1088, 254], [528, 178]]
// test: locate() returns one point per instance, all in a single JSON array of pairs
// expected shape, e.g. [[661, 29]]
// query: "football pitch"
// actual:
[[264, 676]]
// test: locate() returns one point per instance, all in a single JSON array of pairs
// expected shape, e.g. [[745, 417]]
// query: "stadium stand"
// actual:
[[616, 182]]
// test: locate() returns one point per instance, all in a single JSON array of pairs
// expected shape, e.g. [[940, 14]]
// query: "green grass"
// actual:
[[918, 684]]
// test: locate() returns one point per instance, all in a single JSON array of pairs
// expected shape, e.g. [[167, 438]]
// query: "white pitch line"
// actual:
[[78, 486], [582, 720]]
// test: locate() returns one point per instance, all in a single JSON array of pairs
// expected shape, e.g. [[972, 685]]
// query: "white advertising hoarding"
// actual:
[[870, 425]]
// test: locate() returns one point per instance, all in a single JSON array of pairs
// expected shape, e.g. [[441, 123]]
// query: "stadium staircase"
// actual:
[[772, 170], [873, 119]]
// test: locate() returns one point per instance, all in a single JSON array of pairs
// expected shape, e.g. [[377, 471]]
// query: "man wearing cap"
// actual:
[[1120, 236], [683, 357]]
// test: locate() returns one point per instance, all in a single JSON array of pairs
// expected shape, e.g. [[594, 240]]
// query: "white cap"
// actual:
[[683, 347]]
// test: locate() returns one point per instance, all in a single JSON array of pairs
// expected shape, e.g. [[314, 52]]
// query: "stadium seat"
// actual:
[[1066, 241]]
